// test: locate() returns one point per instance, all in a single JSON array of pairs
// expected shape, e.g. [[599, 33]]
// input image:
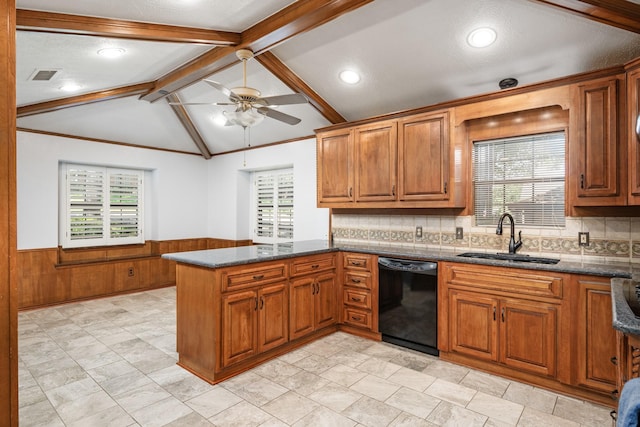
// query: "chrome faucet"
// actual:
[[513, 245]]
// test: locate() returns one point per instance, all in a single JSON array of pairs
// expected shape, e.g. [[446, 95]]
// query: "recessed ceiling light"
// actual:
[[349, 76], [481, 37], [70, 87], [111, 52]]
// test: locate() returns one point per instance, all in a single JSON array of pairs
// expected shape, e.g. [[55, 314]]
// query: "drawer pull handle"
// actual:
[[502, 314], [356, 318], [356, 299], [356, 280], [261, 303], [315, 266], [614, 360], [494, 314], [614, 394], [356, 263], [258, 277]]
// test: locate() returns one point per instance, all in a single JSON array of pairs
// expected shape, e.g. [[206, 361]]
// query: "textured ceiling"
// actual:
[[411, 53]]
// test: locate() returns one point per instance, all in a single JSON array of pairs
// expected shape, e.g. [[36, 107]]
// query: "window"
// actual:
[[523, 176], [273, 206], [102, 206]]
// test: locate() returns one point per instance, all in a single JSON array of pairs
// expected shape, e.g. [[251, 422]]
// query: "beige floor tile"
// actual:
[[161, 413], [290, 407], [586, 414], [451, 392], [242, 414], [335, 397], [495, 407], [411, 379], [450, 415], [446, 371], [213, 402], [141, 397], [375, 387], [413, 402], [379, 367], [524, 394], [371, 412], [85, 406], [408, 420], [486, 383], [304, 383], [324, 417], [115, 416], [39, 414], [533, 418], [343, 375]]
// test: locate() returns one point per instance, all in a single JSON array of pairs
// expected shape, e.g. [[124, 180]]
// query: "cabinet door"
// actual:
[[473, 328], [239, 326], [376, 148], [528, 335], [423, 157], [596, 338], [335, 166], [633, 106], [598, 168], [325, 300], [301, 307], [273, 310]]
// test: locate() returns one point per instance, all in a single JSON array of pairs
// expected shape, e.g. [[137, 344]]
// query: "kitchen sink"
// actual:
[[510, 257]]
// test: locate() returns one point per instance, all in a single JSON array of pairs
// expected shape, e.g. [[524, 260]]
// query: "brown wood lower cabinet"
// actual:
[[545, 328], [596, 338], [253, 322], [520, 334], [231, 319]]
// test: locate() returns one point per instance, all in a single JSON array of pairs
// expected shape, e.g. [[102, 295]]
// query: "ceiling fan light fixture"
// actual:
[[482, 37], [111, 52], [349, 76], [245, 118]]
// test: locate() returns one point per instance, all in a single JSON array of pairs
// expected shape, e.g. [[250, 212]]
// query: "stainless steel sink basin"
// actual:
[[510, 257]]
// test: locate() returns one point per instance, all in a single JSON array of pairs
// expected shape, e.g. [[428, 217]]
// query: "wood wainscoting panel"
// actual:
[[54, 276]]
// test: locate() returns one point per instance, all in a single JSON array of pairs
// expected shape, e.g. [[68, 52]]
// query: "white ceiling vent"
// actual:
[[43, 75]]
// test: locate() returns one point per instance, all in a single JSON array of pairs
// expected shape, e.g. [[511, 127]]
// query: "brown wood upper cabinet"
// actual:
[[599, 174], [387, 164], [633, 117], [423, 157]]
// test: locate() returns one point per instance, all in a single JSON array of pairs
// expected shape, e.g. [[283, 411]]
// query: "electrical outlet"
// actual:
[[583, 238], [130, 271], [459, 233], [418, 231]]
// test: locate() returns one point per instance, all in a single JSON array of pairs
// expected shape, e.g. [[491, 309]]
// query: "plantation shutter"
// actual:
[[523, 176], [103, 206], [85, 192], [273, 206], [124, 208]]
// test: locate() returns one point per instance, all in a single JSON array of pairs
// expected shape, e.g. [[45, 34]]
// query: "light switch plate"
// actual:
[[418, 231], [583, 238]]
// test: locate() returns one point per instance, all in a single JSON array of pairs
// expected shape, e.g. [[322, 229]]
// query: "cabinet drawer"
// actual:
[[357, 279], [357, 298], [247, 277], [355, 317], [358, 261], [313, 264], [513, 280]]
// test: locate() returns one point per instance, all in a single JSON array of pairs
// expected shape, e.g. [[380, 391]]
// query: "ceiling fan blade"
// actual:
[[295, 98], [278, 115], [225, 90], [202, 103]]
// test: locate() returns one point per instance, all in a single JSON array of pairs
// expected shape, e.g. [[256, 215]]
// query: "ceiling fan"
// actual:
[[250, 107]]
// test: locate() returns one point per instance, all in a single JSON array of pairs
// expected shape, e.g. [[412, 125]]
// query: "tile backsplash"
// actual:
[[611, 239]]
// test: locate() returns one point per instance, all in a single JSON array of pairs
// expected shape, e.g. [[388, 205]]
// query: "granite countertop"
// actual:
[[623, 318]]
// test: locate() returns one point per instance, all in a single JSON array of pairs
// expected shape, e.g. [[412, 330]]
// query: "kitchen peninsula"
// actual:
[[239, 307]]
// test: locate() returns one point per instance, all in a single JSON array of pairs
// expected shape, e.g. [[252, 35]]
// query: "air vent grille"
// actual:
[[43, 75]]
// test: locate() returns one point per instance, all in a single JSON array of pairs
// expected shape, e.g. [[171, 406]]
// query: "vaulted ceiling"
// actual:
[[409, 53]]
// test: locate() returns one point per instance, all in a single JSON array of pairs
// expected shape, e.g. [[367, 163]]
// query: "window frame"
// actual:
[[523, 181], [105, 237]]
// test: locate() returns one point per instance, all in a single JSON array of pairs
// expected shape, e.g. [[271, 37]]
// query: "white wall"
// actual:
[[176, 190], [230, 176], [186, 196]]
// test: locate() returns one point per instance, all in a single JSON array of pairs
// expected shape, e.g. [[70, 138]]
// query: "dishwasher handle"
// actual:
[[413, 266]]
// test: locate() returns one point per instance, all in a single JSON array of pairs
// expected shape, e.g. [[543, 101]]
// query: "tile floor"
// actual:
[[111, 362]]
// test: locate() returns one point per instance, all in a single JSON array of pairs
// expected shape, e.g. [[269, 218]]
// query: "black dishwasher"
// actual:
[[408, 303]]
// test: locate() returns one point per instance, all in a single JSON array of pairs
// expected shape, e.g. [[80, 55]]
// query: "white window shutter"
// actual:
[[273, 209], [103, 206]]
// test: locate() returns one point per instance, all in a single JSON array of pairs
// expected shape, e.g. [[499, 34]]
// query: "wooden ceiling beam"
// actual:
[[617, 13], [295, 83], [31, 20], [188, 124], [297, 18], [88, 98]]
